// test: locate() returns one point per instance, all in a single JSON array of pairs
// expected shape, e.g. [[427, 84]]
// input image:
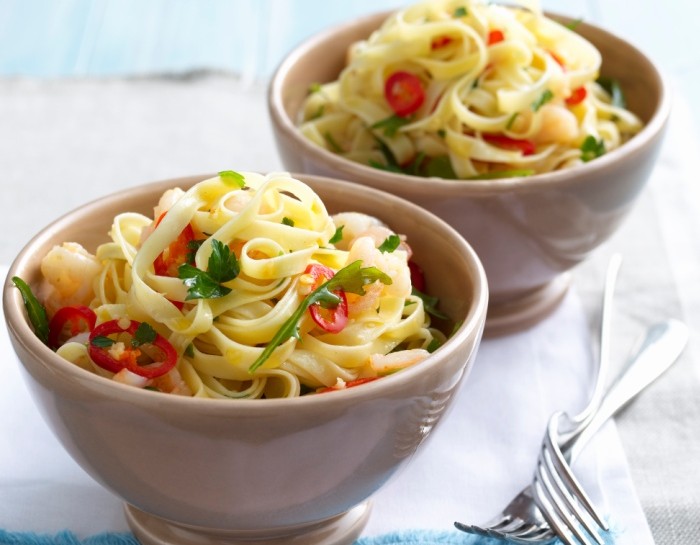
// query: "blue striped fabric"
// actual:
[[403, 537]]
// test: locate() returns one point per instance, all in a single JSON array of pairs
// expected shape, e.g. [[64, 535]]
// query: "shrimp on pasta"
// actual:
[[470, 89]]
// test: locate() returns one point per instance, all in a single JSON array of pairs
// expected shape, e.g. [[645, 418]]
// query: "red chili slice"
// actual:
[[558, 59], [68, 322], [404, 92], [331, 320], [440, 41], [417, 276], [494, 37], [177, 253], [526, 147], [128, 360], [578, 95]]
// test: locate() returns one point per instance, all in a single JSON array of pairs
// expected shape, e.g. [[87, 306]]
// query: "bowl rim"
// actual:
[[21, 332], [346, 167]]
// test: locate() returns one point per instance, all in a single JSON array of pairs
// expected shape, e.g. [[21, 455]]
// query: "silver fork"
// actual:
[[521, 520], [555, 489]]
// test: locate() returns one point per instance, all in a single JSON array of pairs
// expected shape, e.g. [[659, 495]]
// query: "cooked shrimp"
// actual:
[[557, 125], [356, 225], [167, 200], [391, 263], [394, 361], [69, 271]]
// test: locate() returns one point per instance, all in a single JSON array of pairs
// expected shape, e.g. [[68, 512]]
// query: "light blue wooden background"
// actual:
[[50, 38], [109, 38]]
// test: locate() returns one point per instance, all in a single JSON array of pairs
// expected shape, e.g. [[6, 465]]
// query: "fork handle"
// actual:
[[661, 347]]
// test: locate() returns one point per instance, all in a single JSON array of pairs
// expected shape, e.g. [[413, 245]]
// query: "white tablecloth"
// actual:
[[481, 455], [64, 142]]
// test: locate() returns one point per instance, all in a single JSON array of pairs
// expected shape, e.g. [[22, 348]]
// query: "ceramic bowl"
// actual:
[[304, 469], [528, 232]]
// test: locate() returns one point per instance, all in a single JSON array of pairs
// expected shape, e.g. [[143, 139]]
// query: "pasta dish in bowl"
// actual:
[[463, 89], [531, 133], [253, 285]]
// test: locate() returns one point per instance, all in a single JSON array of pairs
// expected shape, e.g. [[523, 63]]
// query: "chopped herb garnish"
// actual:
[[231, 177], [351, 278], [442, 133], [495, 174], [288, 221], [222, 267], [390, 244], [144, 334], [189, 351], [318, 113], [337, 236], [35, 310], [440, 167], [314, 88], [382, 166], [332, 143], [592, 148], [101, 341], [192, 248], [430, 304], [573, 24], [460, 12], [546, 96], [612, 87], [511, 120], [390, 125], [433, 345]]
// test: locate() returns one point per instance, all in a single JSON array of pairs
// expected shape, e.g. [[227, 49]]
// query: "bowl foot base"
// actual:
[[340, 530], [515, 315]]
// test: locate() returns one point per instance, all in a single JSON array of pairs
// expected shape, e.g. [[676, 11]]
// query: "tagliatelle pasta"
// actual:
[[470, 89], [255, 287]]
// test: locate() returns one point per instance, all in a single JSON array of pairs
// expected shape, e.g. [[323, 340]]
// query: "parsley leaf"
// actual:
[[496, 174], [460, 12], [288, 221], [440, 167], [546, 96], [511, 120], [332, 143], [35, 310], [314, 87], [102, 341], [231, 177], [189, 351], [390, 244], [337, 236], [144, 334], [433, 345], [430, 304], [574, 23], [351, 278], [222, 267], [390, 125], [592, 148], [612, 87]]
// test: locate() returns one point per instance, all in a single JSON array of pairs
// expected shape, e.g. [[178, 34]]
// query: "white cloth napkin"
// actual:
[[483, 452]]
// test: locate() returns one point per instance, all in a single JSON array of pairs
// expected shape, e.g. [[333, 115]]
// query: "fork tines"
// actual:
[[560, 496]]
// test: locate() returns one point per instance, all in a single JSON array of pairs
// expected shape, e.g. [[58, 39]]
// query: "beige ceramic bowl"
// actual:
[[528, 232], [196, 471]]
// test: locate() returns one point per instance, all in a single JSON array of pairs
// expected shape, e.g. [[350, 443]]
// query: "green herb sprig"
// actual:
[[222, 267], [351, 279], [35, 310]]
